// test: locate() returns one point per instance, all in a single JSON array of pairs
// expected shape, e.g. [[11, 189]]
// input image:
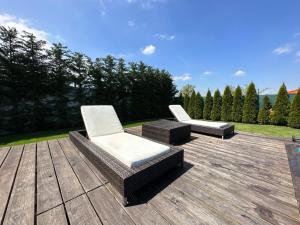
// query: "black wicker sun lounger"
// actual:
[[201, 126], [116, 155]]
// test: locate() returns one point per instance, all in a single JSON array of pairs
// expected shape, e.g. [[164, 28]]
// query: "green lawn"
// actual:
[[268, 130], [48, 135]]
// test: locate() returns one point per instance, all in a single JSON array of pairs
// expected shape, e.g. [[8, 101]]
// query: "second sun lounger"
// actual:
[[201, 126]]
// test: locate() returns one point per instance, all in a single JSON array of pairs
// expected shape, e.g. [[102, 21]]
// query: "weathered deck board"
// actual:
[[242, 180], [7, 177], [68, 182], [48, 195], [87, 178], [107, 207], [21, 207], [80, 211], [55, 216], [3, 153]]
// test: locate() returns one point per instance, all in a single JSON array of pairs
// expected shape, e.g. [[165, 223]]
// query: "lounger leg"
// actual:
[[125, 201], [222, 137]]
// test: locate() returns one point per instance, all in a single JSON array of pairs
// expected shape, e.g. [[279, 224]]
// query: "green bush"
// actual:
[[294, 116], [207, 106], [198, 106], [217, 106], [264, 112], [281, 107], [237, 106], [186, 100], [191, 106], [250, 107], [226, 105]]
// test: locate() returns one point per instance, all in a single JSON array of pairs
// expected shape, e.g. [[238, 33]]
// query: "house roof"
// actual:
[[295, 91]]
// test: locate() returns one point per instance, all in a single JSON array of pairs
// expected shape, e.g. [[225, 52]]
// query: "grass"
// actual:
[[48, 135], [268, 130]]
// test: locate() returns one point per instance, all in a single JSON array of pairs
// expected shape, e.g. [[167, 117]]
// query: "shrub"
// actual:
[[294, 116], [191, 106], [237, 106], [217, 106], [186, 100], [281, 107], [264, 112], [207, 106], [226, 105], [250, 107], [198, 106]]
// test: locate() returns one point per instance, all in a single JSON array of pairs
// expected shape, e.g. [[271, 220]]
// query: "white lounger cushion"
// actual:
[[130, 149], [100, 120], [206, 123], [182, 116], [179, 113]]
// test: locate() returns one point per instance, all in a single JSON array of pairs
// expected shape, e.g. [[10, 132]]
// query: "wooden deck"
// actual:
[[241, 180]]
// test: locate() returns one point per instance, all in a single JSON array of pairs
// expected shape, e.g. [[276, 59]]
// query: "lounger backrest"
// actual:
[[179, 112], [100, 120]]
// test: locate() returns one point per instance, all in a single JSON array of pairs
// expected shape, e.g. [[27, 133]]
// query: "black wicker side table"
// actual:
[[167, 131]]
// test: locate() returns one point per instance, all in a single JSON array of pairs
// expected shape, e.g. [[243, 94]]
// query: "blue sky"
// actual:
[[205, 43]]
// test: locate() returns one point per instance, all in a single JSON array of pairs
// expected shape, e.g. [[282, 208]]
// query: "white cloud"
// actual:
[[239, 73], [21, 25], [131, 23], [149, 50], [147, 4], [285, 49], [183, 77], [207, 72], [165, 37]]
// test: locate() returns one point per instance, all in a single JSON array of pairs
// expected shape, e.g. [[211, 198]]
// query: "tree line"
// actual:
[[43, 87], [236, 107]]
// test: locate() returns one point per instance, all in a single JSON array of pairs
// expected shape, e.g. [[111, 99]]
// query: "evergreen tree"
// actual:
[[294, 116], [207, 106], [59, 77], [11, 79], [226, 114], [191, 106], [250, 108], [186, 100], [264, 112], [237, 106], [217, 106], [36, 82], [198, 106], [281, 107]]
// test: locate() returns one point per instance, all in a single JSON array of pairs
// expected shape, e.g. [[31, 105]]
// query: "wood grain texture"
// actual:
[[107, 207], [87, 178], [81, 212], [69, 185], [48, 195], [3, 153], [7, 176], [21, 205], [244, 180], [55, 216]]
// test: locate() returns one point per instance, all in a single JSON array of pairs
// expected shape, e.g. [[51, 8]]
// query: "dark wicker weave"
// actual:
[[224, 131], [124, 179], [167, 131]]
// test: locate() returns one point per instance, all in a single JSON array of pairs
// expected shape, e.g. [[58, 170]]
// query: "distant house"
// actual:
[[293, 92]]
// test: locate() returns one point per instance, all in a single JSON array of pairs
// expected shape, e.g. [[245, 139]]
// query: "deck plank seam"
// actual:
[[64, 206], [102, 182], [11, 188], [6, 156], [85, 192]]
